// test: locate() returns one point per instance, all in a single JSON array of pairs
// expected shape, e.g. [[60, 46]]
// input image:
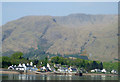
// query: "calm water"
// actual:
[[54, 77]]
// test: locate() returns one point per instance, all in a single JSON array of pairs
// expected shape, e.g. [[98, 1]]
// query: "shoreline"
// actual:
[[52, 73], [100, 74], [6, 71]]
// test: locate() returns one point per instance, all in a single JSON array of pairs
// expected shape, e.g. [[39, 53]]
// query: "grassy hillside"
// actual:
[[75, 33]]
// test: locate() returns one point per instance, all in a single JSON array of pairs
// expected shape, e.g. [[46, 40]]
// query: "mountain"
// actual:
[[95, 35]]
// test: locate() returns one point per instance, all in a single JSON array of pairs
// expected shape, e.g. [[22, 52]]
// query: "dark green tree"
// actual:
[[5, 62], [100, 66], [94, 65], [45, 61]]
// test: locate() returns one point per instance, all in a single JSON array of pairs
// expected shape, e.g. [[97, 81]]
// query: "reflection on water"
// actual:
[[55, 77]]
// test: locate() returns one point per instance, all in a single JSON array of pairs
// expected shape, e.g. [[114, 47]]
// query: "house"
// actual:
[[103, 71], [48, 66], [97, 70], [34, 65], [113, 72], [11, 67], [72, 70], [31, 63], [92, 70], [57, 65], [62, 69], [23, 67], [43, 68], [19, 67]]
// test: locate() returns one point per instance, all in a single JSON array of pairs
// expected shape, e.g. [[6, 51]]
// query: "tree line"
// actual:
[[17, 58]]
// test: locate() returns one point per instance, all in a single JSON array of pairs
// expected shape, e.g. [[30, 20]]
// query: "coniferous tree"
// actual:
[[95, 65], [101, 66]]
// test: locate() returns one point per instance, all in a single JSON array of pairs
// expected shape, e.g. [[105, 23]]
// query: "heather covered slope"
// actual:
[[94, 34]]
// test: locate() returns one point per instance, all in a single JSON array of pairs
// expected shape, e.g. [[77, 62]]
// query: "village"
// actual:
[[56, 69]]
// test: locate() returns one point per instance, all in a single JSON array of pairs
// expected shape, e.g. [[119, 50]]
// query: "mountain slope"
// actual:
[[95, 34]]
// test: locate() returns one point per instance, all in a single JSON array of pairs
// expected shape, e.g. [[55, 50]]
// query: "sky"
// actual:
[[15, 10]]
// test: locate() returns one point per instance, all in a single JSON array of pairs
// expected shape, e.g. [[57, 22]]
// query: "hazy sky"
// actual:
[[15, 10]]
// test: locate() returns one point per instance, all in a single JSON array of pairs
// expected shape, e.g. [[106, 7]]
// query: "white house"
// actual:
[[43, 68], [97, 70], [14, 65], [34, 65], [113, 71], [23, 67], [57, 65], [11, 67], [48, 65], [103, 71], [61, 69], [31, 63], [92, 70], [27, 63], [20, 65], [72, 70]]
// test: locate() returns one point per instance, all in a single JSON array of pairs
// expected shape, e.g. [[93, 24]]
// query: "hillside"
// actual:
[[72, 34]]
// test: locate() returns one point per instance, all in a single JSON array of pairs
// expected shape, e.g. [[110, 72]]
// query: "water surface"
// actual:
[[55, 77]]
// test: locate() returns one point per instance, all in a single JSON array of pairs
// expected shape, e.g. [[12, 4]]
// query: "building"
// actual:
[[57, 65], [97, 70], [23, 67], [103, 71], [72, 70], [113, 72], [11, 67], [92, 70], [31, 63], [62, 69], [48, 66]]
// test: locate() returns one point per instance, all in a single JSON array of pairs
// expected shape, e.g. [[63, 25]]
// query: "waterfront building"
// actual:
[[72, 70], [97, 70], [23, 67], [103, 71], [62, 69], [31, 63], [48, 66], [57, 65], [92, 70], [113, 71], [11, 67]]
